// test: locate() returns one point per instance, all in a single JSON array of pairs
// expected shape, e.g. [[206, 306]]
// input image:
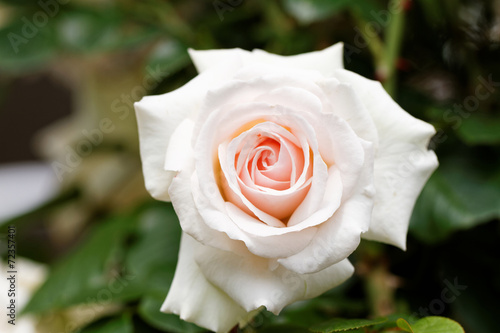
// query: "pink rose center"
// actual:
[[273, 165], [271, 171]]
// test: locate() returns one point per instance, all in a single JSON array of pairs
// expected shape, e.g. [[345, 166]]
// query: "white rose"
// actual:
[[276, 167]]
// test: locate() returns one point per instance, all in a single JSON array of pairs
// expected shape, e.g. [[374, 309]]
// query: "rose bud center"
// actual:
[[271, 171]]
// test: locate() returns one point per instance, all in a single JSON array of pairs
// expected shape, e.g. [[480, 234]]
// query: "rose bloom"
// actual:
[[277, 166]]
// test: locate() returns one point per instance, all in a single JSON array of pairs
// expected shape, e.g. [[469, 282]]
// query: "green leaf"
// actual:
[[340, 325], [86, 30], [149, 310], [305, 313], [392, 322], [25, 46], [122, 324], [404, 325], [480, 130], [92, 273], [283, 328], [152, 258], [459, 195], [437, 325]]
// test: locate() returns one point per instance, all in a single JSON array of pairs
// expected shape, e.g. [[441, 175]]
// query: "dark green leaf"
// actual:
[[457, 196], [477, 130], [283, 329], [122, 324], [339, 325], [153, 257], [309, 312], [152, 260], [92, 273], [471, 307], [25, 45], [149, 310]]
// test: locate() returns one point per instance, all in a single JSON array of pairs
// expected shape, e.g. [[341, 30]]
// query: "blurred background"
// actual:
[[96, 254]]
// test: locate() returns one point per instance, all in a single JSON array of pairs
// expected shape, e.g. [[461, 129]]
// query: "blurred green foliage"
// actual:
[[433, 56]]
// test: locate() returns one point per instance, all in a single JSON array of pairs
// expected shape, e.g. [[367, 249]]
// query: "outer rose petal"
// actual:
[[402, 163], [263, 285], [326, 61], [204, 59], [189, 217], [346, 104], [158, 117], [195, 299], [179, 150]]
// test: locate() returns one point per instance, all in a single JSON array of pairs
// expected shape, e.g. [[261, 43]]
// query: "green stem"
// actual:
[[373, 266], [375, 44], [394, 38]]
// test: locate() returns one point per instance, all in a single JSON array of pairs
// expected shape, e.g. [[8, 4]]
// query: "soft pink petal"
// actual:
[[263, 139]]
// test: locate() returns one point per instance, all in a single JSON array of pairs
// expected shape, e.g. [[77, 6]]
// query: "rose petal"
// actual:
[[330, 203], [340, 235], [241, 189], [338, 143], [158, 117], [242, 90], [325, 61], [402, 165], [269, 246], [191, 221], [195, 299], [318, 206], [229, 220], [205, 59], [263, 286], [246, 114], [275, 204], [345, 103], [179, 149]]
